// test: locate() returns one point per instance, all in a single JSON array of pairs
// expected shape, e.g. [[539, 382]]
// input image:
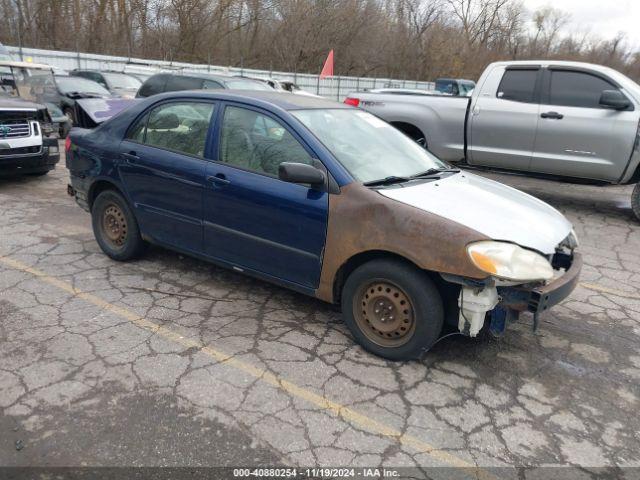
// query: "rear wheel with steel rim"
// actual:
[[392, 308], [115, 227], [114, 224]]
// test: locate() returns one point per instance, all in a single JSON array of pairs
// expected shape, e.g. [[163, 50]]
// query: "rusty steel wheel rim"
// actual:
[[384, 313], [114, 225]]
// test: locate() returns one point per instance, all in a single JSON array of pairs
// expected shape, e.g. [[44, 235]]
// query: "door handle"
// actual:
[[552, 115], [130, 157], [219, 179]]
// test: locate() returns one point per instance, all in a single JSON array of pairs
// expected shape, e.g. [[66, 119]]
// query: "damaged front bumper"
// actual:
[[505, 303]]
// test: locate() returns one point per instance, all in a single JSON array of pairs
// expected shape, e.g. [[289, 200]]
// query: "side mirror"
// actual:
[[301, 173], [614, 99]]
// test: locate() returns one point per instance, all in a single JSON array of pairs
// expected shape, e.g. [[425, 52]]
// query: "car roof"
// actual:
[[204, 75], [285, 101]]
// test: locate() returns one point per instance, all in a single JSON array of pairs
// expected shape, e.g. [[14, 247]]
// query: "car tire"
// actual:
[[635, 201], [115, 227], [392, 308]]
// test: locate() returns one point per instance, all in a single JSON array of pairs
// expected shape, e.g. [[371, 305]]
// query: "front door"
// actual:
[[253, 220], [503, 126], [578, 137], [163, 169]]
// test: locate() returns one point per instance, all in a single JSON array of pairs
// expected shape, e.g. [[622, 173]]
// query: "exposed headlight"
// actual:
[[509, 261]]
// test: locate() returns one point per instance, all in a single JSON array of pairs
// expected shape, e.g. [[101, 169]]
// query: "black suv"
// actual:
[[167, 82]]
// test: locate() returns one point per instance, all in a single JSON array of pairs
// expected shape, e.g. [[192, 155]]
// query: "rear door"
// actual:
[[504, 118], [162, 167], [578, 137]]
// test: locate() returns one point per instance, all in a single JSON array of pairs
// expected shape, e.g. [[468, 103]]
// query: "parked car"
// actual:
[[118, 83], [25, 146], [574, 121], [169, 82], [326, 200], [34, 83], [455, 86], [73, 88], [291, 87], [283, 86]]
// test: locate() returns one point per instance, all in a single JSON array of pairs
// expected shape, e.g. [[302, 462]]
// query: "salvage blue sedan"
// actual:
[[327, 200]]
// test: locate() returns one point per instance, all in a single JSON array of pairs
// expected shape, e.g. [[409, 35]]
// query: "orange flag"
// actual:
[[327, 70]]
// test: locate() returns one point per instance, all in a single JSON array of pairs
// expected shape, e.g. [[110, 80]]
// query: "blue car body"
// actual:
[[364, 243], [202, 207]]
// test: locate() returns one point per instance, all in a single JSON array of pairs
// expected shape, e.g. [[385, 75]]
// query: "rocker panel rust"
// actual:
[[361, 220]]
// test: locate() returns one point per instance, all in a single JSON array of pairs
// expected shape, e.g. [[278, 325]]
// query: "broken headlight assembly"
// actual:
[[508, 261]]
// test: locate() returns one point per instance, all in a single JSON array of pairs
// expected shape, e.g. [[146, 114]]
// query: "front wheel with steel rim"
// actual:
[[392, 308], [115, 226]]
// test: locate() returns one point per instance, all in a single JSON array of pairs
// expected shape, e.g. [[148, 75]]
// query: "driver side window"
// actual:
[[256, 142]]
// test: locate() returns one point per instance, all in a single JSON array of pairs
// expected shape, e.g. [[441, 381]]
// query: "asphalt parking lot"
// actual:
[[168, 361]]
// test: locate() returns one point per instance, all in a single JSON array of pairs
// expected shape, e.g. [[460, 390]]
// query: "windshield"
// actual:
[[34, 84], [80, 85], [241, 84], [120, 80], [369, 148]]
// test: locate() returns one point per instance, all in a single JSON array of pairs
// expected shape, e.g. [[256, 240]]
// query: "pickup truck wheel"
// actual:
[[115, 228], [392, 308], [635, 201]]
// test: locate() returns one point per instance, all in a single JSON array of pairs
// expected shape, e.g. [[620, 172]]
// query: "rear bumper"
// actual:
[[17, 163]]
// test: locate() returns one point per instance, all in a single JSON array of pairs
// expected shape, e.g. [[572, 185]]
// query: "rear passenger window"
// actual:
[[137, 131], [180, 126], [577, 89], [518, 85], [178, 83]]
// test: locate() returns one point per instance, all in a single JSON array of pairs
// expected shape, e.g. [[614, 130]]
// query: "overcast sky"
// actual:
[[603, 18]]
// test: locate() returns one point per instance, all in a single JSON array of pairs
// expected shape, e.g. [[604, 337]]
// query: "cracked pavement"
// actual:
[[169, 361]]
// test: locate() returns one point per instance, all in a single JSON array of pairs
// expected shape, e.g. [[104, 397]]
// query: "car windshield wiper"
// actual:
[[434, 171], [387, 181], [397, 179]]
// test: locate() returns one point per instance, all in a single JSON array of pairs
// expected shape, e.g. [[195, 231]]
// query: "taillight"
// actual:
[[354, 102], [67, 145]]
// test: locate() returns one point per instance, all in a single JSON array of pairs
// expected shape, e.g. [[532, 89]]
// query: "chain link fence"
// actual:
[[336, 88]]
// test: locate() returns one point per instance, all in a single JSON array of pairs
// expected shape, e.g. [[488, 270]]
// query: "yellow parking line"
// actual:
[[611, 291], [318, 400]]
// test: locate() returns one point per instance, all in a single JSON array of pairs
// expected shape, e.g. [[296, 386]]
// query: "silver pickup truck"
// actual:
[[564, 119]]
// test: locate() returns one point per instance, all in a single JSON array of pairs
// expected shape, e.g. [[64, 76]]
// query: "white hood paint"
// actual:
[[491, 208]]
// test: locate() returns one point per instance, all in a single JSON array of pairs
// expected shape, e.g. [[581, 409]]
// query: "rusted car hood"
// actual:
[[491, 208]]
